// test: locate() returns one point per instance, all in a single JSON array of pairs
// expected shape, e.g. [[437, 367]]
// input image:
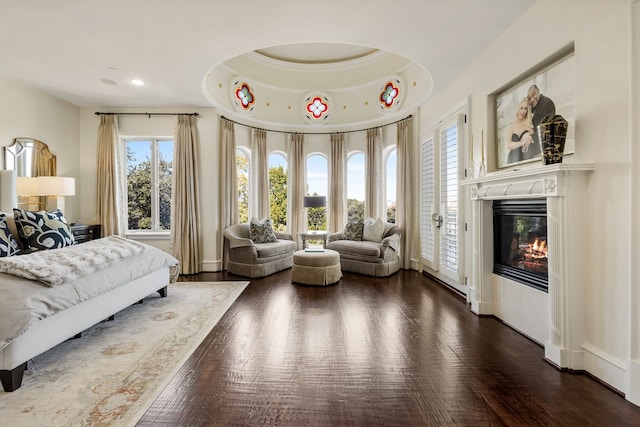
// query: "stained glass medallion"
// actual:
[[317, 108], [243, 95], [390, 94]]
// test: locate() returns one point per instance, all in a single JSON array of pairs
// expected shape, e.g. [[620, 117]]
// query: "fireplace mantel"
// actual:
[[564, 187], [532, 182]]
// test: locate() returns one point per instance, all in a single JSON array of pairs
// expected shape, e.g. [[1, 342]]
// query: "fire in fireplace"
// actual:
[[520, 241]]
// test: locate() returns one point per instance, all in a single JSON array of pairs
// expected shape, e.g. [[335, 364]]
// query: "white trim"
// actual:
[[148, 235], [632, 391], [605, 366], [211, 265]]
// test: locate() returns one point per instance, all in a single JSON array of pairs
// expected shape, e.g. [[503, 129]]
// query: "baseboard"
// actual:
[[606, 368], [633, 394], [211, 266]]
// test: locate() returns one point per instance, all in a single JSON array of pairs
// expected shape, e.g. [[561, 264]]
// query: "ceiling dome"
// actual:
[[317, 87]]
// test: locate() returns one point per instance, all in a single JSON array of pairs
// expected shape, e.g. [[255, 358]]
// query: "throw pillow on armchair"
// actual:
[[262, 231]]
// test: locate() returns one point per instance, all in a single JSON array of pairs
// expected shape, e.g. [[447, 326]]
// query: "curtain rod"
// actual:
[[98, 113], [318, 133]]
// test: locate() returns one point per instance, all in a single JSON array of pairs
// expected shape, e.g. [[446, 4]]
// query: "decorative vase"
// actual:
[[553, 132]]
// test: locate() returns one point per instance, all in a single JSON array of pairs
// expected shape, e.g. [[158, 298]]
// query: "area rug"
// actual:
[[112, 374]]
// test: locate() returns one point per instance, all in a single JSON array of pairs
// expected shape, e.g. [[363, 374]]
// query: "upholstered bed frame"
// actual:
[[51, 331]]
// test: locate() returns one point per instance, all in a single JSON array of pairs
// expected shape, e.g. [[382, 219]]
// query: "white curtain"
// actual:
[[337, 197], [111, 196], [185, 203], [228, 183], [373, 172], [261, 175], [406, 192], [296, 184]]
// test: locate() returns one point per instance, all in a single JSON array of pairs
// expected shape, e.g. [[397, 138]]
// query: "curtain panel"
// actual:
[[296, 184], [373, 172], [110, 193], [337, 182], [186, 242], [228, 184], [406, 192], [261, 175]]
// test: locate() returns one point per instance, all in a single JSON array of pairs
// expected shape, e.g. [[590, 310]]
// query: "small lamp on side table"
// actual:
[[315, 202]]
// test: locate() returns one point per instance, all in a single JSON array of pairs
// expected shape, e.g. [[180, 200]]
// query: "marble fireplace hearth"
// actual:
[[555, 319]]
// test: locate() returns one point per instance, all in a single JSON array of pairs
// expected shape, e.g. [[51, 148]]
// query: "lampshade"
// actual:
[[45, 186], [315, 201], [26, 186], [56, 186]]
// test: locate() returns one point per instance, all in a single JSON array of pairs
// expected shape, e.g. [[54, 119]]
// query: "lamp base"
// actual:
[[55, 203]]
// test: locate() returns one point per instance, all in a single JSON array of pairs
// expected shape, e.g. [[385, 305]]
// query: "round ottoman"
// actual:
[[316, 267]]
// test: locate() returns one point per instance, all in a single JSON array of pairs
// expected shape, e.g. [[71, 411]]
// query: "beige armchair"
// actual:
[[372, 258], [250, 259]]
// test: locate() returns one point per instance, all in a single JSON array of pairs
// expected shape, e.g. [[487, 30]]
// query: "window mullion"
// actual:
[[155, 187]]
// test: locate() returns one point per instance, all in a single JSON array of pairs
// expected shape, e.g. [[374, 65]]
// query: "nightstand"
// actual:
[[83, 233]]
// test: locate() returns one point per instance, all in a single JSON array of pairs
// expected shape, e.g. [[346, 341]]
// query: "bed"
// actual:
[[41, 308]]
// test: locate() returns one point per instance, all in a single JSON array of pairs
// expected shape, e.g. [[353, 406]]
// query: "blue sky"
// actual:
[[141, 149]]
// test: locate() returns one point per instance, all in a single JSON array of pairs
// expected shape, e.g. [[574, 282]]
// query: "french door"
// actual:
[[441, 225]]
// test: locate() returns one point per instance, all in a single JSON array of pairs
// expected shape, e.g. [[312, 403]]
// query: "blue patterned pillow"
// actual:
[[8, 244], [353, 230], [262, 231], [43, 230]]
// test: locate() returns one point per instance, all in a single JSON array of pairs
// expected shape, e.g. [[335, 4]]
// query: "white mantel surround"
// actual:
[[564, 187]]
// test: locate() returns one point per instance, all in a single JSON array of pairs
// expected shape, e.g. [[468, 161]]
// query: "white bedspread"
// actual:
[[55, 267], [24, 302]]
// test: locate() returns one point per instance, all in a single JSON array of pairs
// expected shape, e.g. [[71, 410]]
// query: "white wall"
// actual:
[[30, 113], [601, 33]]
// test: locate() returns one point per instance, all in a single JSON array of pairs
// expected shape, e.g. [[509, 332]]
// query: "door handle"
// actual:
[[437, 218]]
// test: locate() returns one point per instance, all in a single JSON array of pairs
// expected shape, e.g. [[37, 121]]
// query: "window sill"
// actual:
[[148, 235]]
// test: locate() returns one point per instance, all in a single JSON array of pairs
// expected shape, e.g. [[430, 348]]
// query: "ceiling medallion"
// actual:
[[317, 108], [390, 94], [243, 95]]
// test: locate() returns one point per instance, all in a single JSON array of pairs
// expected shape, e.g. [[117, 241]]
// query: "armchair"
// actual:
[[379, 259], [250, 259]]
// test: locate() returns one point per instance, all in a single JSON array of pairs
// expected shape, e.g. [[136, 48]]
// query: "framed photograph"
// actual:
[[520, 108]]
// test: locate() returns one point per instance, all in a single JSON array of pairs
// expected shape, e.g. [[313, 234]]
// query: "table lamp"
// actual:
[[315, 202]]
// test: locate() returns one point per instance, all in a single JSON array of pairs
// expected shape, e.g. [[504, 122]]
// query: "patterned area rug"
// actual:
[[112, 374]]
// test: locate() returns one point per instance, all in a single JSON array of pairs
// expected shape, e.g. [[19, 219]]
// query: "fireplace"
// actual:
[[554, 318], [520, 241]]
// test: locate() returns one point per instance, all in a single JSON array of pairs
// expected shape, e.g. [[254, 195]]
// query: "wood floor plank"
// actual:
[[398, 351]]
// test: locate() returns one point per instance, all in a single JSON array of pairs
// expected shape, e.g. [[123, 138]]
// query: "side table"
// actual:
[[313, 235], [83, 232]]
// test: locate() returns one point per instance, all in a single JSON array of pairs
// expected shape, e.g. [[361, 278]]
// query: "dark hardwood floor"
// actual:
[[400, 351]]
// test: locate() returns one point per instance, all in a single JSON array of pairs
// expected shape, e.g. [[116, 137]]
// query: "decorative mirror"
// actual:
[[29, 157]]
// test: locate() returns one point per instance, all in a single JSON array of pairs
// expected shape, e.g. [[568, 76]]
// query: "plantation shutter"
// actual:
[[427, 238], [449, 254]]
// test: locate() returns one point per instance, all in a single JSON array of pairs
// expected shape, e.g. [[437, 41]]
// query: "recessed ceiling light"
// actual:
[[108, 81], [136, 82]]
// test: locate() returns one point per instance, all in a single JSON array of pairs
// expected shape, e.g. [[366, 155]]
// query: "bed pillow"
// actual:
[[373, 230], [262, 231], [8, 244], [353, 230], [42, 230]]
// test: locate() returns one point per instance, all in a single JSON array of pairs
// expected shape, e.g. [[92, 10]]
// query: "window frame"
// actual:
[[155, 232]]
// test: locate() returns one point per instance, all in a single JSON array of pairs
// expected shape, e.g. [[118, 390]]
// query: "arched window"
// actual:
[[390, 184], [278, 190], [317, 185], [355, 186], [242, 170]]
